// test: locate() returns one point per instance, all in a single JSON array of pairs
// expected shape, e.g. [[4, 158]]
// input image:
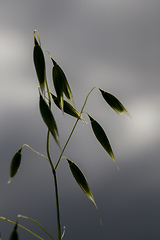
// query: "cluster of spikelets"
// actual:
[[62, 89]]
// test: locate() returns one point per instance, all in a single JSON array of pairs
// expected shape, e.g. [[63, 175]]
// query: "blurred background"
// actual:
[[114, 45]]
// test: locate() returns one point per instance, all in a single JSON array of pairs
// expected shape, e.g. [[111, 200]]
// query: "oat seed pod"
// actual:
[[67, 108], [81, 180], [49, 119], [14, 233], [15, 163], [39, 63], [61, 84], [114, 103], [101, 137]]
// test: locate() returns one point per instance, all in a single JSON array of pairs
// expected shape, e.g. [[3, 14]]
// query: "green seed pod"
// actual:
[[15, 163], [14, 233], [39, 63], [101, 137], [49, 119], [81, 180], [68, 108], [61, 85], [114, 103], [58, 79], [67, 90]]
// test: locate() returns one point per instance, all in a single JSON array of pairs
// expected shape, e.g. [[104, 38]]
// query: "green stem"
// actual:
[[66, 143], [73, 128], [3, 218], [36, 223], [57, 206], [56, 188], [54, 174], [35, 151]]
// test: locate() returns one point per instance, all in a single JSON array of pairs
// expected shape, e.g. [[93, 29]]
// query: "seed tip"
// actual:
[[9, 181]]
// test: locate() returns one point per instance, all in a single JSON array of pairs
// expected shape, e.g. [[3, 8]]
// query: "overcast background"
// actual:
[[114, 45]]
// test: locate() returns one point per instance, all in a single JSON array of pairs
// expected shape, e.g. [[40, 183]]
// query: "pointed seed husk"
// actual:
[[14, 233], [68, 108], [39, 63], [58, 76], [49, 119], [114, 103], [81, 180], [15, 163], [61, 85], [101, 137]]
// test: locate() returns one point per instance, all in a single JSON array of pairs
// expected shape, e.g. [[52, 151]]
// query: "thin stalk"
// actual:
[[6, 219], [54, 174], [57, 206], [66, 143], [56, 188], [73, 128], [21, 216], [35, 151]]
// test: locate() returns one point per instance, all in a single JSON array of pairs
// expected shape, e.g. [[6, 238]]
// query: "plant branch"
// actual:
[[56, 188], [6, 219], [54, 174], [57, 206], [73, 128], [35, 151], [36, 223]]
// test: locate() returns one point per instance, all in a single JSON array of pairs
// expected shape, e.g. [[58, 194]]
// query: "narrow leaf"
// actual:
[[39, 64], [101, 137], [114, 102], [81, 180], [49, 119], [15, 163], [68, 108], [14, 233]]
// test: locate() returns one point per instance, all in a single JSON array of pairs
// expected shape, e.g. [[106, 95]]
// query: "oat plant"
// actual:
[[62, 91]]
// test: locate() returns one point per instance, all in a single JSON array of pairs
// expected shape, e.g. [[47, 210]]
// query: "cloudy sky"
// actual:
[[110, 44]]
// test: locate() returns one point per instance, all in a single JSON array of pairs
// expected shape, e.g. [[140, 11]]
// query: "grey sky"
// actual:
[[110, 44]]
